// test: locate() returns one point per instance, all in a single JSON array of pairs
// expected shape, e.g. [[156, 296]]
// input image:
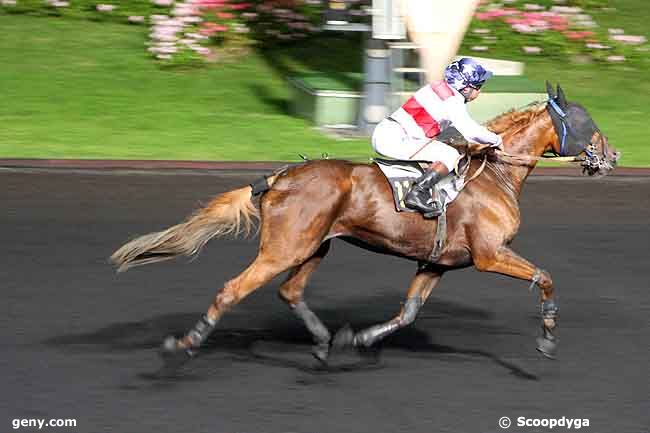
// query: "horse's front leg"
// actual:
[[419, 290], [507, 262]]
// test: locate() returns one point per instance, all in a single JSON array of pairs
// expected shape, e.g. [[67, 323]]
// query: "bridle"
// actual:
[[593, 162]]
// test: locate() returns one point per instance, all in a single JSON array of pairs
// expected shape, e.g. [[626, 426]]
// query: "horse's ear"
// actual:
[[561, 97], [549, 90]]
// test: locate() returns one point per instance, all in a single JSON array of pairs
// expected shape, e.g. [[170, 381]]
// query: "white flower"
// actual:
[[192, 20], [589, 24], [201, 50], [481, 31], [196, 36], [616, 31], [8, 2], [158, 18], [595, 46], [616, 59], [136, 19], [533, 7], [105, 7], [629, 39], [479, 48], [183, 11], [162, 2], [164, 57], [532, 50], [567, 10], [167, 50]]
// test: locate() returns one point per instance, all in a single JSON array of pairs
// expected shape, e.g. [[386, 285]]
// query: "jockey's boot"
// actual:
[[420, 197]]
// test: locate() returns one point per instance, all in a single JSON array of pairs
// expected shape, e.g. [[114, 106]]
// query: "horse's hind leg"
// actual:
[[419, 290], [285, 243], [291, 292], [263, 269]]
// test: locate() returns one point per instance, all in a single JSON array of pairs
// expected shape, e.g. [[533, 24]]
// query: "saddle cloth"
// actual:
[[401, 174]]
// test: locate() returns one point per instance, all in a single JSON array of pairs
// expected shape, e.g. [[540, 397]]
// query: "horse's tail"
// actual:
[[232, 212]]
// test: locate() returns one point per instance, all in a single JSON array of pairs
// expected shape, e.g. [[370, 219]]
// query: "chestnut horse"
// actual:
[[305, 206]]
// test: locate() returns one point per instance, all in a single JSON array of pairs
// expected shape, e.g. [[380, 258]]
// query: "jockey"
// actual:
[[410, 132]]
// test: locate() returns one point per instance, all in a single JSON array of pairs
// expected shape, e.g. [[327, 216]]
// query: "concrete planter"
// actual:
[[323, 107]]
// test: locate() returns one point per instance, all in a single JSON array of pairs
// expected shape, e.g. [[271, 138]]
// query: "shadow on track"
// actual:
[[285, 343]]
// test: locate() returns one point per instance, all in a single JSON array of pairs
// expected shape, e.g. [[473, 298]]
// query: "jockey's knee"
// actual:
[[448, 156]]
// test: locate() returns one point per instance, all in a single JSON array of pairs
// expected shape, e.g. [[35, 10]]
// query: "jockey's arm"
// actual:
[[472, 131]]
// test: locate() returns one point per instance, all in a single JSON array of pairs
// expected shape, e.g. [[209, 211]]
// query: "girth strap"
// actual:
[[441, 237]]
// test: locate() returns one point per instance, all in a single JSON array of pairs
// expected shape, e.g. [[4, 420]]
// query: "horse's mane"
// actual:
[[512, 120]]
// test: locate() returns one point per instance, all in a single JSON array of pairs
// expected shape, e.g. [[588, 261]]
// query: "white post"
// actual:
[[438, 27]]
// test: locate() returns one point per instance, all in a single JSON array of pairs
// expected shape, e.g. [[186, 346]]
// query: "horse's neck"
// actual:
[[529, 141]]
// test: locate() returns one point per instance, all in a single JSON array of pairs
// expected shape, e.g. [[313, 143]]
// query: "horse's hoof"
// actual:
[[321, 351], [173, 354], [547, 347], [343, 339]]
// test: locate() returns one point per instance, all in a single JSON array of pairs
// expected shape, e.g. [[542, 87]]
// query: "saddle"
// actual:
[[401, 174]]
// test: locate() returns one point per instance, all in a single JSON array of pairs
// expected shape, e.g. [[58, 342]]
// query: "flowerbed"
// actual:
[[563, 29], [185, 32]]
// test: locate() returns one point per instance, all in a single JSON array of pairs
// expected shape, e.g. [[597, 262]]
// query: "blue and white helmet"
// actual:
[[466, 72]]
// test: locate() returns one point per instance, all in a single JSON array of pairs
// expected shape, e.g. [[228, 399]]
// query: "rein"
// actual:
[[527, 159]]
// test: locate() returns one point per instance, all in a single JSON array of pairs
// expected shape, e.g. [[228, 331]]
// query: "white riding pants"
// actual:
[[391, 140]]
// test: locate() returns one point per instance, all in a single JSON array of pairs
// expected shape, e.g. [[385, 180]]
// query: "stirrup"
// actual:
[[429, 206], [433, 214]]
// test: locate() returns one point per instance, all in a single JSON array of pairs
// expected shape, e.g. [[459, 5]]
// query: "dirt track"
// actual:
[[81, 342]]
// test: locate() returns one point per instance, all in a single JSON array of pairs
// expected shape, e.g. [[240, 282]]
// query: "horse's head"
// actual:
[[578, 134]]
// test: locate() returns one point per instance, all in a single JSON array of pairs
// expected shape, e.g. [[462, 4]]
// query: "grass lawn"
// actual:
[[79, 89]]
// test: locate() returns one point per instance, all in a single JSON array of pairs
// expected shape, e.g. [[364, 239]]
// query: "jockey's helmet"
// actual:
[[466, 72]]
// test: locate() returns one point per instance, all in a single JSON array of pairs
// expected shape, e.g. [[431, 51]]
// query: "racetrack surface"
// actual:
[[81, 342]]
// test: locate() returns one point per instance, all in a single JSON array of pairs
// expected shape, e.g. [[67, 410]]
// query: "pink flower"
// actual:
[[574, 36], [524, 28], [210, 29], [225, 15], [483, 16], [240, 6]]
